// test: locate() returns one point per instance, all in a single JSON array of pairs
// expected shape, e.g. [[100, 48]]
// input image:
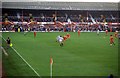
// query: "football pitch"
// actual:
[[86, 55]]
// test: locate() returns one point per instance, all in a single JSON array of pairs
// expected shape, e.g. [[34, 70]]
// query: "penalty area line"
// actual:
[[24, 60]]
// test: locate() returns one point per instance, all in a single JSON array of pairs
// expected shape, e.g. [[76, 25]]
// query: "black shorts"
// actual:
[[8, 42]]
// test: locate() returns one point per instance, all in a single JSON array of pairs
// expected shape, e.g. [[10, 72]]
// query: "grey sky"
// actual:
[[61, 0]]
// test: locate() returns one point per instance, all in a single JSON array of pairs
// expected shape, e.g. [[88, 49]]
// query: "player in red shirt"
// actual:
[[34, 34], [78, 32], [111, 40], [110, 29], [65, 37], [106, 31], [68, 35]]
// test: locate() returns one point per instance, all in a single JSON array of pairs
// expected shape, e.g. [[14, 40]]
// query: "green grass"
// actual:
[[13, 65], [87, 55]]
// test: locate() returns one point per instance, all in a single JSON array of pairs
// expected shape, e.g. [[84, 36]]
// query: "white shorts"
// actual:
[[60, 41], [97, 32]]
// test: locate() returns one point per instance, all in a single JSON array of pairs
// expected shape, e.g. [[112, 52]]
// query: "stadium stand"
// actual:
[[88, 16]]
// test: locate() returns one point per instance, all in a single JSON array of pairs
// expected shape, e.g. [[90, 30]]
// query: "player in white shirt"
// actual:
[[98, 31], [60, 40], [57, 38]]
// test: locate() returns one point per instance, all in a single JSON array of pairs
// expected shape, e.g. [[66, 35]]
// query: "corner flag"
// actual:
[[51, 62]]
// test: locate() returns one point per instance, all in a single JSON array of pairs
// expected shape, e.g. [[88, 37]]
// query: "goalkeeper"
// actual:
[[8, 42]]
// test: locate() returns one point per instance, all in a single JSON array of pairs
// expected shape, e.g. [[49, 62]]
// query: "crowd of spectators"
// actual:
[[57, 16], [52, 28]]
